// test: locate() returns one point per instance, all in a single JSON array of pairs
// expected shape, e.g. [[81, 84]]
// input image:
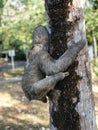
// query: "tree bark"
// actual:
[[71, 103]]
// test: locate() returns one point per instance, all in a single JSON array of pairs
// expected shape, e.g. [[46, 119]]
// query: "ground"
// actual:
[[17, 113]]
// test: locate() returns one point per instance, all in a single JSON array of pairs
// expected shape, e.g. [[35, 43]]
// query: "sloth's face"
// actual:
[[40, 35]]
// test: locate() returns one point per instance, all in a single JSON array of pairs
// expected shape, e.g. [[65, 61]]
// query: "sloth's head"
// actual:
[[40, 35]]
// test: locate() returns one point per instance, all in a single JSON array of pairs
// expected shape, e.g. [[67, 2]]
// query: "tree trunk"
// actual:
[[71, 103]]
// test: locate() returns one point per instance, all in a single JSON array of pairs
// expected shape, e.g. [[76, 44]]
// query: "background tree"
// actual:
[[19, 18], [71, 103]]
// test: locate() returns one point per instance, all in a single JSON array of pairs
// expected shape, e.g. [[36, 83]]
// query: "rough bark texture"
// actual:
[[71, 103]]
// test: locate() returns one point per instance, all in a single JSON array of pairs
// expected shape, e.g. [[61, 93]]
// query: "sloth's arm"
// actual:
[[50, 66]]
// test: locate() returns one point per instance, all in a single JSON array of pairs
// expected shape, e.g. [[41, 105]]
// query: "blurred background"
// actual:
[[18, 18]]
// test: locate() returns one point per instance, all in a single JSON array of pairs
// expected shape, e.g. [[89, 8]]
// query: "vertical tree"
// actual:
[[71, 103]]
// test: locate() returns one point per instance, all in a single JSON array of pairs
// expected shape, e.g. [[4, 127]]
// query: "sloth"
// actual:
[[43, 72]]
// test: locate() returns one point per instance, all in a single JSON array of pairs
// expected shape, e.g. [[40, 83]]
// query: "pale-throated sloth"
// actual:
[[35, 84]]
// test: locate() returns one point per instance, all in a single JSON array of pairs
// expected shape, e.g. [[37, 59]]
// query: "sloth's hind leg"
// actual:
[[40, 89]]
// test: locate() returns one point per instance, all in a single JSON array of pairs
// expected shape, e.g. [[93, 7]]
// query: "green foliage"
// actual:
[[20, 25], [91, 24], [1, 3], [91, 16]]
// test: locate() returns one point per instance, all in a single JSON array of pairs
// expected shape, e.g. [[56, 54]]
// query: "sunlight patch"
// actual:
[[6, 100], [95, 88]]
